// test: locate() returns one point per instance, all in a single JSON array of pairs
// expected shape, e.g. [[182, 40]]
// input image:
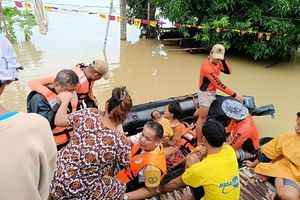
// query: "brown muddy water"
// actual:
[[148, 69]]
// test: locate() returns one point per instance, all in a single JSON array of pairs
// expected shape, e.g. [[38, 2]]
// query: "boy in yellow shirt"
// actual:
[[217, 173]]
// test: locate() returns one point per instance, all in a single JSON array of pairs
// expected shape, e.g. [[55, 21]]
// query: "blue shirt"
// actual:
[[7, 115]]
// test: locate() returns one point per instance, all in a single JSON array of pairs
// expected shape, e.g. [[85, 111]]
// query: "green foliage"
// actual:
[[177, 10], [139, 9], [259, 50], [22, 18], [279, 17], [220, 22]]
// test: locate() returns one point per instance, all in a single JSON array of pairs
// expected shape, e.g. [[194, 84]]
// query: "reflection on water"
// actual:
[[28, 54], [148, 70]]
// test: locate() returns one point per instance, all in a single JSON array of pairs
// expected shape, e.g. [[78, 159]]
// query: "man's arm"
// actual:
[[61, 117], [262, 158], [172, 185], [221, 86], [225, 67], [142, 193], [39, 85]]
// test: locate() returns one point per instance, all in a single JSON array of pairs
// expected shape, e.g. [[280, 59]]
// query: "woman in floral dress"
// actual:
[[86, 166]]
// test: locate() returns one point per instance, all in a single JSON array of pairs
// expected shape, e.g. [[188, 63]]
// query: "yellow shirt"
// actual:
[[168, 132], [285, 153], [218, 174]]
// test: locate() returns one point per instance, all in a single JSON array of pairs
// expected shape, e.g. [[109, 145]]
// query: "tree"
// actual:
[[12, 17], [139, 9], [223, 19]]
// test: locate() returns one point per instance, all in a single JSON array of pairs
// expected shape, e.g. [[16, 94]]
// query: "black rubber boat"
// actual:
[[140, 114]]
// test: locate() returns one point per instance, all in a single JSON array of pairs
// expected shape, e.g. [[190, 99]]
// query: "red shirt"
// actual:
[[242, 130], [209, 77]]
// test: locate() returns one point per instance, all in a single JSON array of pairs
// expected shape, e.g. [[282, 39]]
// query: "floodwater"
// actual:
[[147, 68]]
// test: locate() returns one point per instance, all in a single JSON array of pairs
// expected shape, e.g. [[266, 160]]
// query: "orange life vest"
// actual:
[[61, 134], [84, 86], [40, 86], [139, 161], [186, 139], [184, 135]]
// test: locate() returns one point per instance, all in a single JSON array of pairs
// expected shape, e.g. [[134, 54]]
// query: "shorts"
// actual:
[[206, 98]]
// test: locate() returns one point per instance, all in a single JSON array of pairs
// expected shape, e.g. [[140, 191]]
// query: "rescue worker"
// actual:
[[87, 76], [66, 80], [243, 133], [209, 82], [147, 163], [203, 172]]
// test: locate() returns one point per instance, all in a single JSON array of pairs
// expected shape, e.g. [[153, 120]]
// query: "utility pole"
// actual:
[[123, 19]]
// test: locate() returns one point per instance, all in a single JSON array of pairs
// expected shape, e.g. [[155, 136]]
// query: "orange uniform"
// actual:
[[37, 103], [241, 131], [209, 77], [182, 135], [139, 160], [84, 88]]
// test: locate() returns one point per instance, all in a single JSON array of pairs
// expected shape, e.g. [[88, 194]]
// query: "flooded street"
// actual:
[[148, 70]]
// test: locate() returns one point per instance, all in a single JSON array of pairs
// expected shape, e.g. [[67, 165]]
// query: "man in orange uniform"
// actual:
[[66, 80], [87, 76], [209, 82], [243, 133], [147, 162], [204, 172]]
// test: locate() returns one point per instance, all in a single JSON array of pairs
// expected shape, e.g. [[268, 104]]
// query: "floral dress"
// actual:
[[86, 166]]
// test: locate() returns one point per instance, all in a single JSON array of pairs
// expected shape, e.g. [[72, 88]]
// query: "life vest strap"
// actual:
[[61, 136], [125, 176]]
